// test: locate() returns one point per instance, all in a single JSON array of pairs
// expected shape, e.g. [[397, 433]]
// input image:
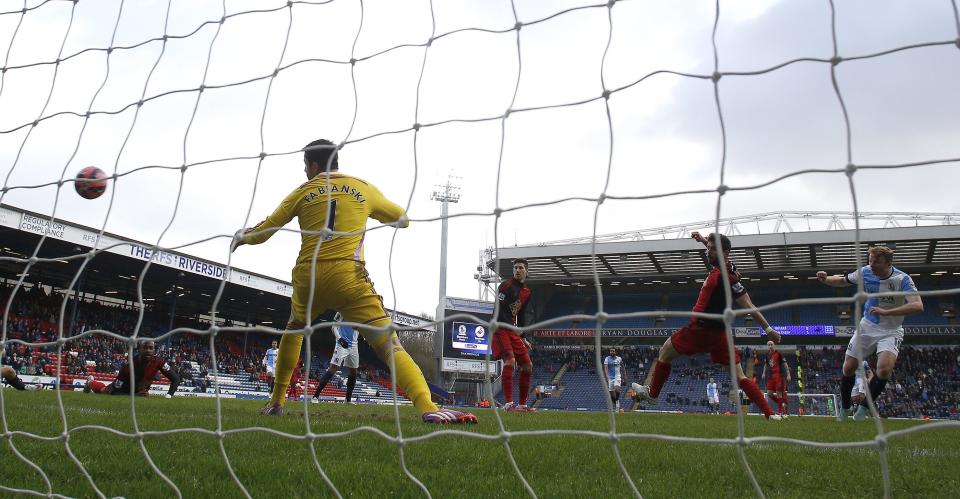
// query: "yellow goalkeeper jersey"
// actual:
[[351, 201]]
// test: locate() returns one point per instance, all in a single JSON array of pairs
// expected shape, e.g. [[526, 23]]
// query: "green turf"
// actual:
[[922, 464]]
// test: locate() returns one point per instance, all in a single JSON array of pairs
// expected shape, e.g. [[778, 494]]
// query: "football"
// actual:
[[90, 182]]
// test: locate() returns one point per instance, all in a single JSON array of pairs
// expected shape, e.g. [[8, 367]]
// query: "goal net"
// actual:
[[799, 404], [812, 404], [562, 120]]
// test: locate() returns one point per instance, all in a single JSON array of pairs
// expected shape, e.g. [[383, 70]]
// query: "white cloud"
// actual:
[[666, 133]]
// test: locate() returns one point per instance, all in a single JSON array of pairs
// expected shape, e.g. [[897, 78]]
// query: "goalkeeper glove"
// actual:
[[236, 241], [343, 342]]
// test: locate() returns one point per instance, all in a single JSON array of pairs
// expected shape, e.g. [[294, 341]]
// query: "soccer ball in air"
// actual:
[[90, 182]]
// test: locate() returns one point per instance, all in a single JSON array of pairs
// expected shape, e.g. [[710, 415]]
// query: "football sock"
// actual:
[[409, 377], [524, 385], [270, 385], [756, 396], [351, 382], [286, 362], [323, 382], [17, 383], [98, 386], [661, 371], [876, 388], [846, 385], [410, 380], [781, 404], [506, 380]]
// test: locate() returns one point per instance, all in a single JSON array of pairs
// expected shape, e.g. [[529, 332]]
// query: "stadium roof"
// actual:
[[115, 272], [934, 248]]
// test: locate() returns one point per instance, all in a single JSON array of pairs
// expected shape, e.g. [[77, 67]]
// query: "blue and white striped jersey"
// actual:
[[343, 331], [270, 358], [898, 280], [612, 365], [711, 390]]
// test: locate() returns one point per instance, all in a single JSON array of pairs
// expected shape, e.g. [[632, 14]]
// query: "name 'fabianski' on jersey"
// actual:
[[349, 201]]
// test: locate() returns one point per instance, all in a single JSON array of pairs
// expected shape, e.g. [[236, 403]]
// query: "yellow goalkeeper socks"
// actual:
[[410, 380], [287, 359]]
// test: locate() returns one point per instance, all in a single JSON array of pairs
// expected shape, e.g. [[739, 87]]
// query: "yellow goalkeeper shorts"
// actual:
[[341, 285]]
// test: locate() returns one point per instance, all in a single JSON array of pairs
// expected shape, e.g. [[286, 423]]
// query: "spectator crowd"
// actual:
[[925, 383]]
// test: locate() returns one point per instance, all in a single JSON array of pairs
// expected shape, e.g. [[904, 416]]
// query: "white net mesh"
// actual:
[[812, 404], [161, 86]]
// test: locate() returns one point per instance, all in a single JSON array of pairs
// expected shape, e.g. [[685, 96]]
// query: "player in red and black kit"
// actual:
[[146, 365], [776, 386], [295, 390], [10, 377], [510, 345], [708, 335]]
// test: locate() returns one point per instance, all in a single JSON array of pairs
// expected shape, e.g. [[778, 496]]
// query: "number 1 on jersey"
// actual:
[[331, 220]]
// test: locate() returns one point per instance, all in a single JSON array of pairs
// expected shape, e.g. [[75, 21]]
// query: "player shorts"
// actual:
[[508, 345], [116, 388], [694, 338], [271, 371], [341, 285], [714, 400], [870, 337], [776, 384], [346, 357], [613, 383]]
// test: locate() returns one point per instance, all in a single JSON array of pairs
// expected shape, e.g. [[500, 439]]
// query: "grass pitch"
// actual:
[[364, 464]]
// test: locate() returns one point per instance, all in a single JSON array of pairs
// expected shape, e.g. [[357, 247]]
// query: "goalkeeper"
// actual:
[[332, 209]]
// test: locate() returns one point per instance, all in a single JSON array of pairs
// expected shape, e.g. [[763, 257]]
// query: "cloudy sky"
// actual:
[[666, 135]]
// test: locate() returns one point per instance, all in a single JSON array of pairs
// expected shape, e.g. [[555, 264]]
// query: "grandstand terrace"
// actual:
[[658, 272], [178, 293]]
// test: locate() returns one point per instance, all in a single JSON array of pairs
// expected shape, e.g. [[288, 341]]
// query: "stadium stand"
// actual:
[[32, 318], [925, 384], [939, 311]]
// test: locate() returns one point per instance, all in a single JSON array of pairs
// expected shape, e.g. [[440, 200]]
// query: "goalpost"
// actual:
[[811, 404], [197, 111]]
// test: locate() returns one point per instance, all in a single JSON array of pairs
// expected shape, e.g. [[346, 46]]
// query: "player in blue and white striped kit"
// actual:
[[713, 396], [881, 328], [615, 371], [346, 354], [270, 363]]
